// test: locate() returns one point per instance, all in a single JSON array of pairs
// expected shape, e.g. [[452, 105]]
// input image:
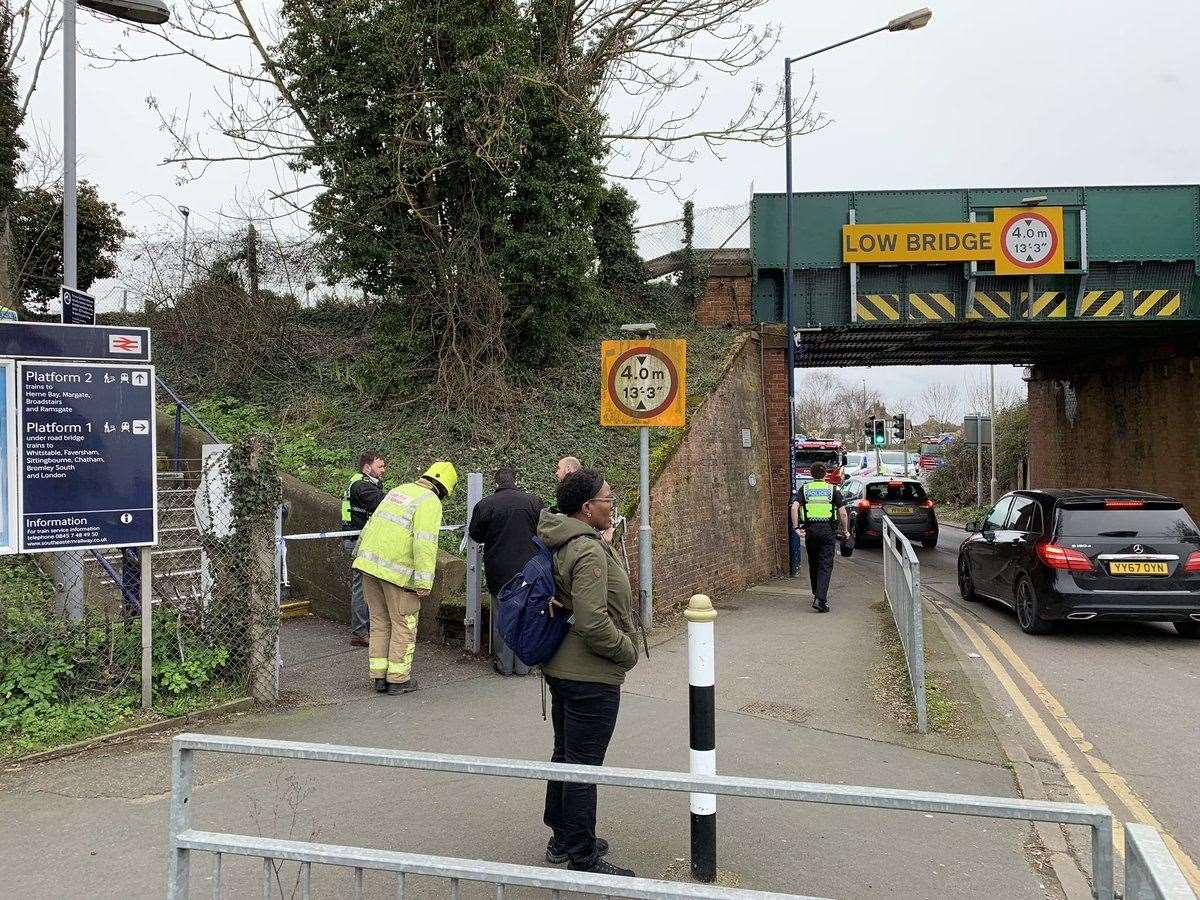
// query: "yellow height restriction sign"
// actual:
[[643, 383], [1030, 240]]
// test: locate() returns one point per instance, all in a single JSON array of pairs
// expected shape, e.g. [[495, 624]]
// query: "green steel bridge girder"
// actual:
[[1140, 273]]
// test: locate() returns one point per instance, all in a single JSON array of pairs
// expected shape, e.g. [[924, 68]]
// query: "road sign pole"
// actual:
[[978, 460], [146, 588], [645, 557], [992, 429]]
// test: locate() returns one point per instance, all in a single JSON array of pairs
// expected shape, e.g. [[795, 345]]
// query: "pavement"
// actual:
[[1114, 705], [800, 696]]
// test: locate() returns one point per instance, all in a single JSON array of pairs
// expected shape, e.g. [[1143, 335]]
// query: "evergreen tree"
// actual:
[[11, 144]]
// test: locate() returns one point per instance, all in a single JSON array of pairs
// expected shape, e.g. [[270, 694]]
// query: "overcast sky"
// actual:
[[1019, 93]]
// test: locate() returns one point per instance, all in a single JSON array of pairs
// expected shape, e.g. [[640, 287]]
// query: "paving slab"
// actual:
[[794, 701]]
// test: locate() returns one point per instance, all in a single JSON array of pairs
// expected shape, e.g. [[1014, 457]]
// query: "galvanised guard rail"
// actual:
[[902, 584], [1151, 872], [183, 839]]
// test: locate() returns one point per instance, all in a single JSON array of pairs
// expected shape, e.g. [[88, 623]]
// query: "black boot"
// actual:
[[381, 685], [603, 867], [404, 687], [556, 854]]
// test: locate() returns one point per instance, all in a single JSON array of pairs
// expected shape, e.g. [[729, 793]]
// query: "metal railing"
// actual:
[[183, 839], [1151, 872], [180, 409], [902, 584]]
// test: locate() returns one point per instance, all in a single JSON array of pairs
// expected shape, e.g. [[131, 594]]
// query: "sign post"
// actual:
[[78, 308], [643, 384]]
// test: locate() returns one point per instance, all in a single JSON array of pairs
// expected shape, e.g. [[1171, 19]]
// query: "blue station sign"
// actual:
[[86, 437], [42, 340]]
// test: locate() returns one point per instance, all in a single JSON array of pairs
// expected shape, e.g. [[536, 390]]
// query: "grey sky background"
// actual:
[[1020, 93]]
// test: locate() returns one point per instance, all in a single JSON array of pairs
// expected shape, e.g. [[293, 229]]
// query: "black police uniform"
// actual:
[[820, 539]]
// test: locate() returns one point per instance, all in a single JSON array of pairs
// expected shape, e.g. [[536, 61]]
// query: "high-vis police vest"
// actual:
[[346, 517], [400, 541], [817, 501]]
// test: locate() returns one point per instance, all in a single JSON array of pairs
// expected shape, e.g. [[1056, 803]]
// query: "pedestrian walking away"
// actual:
[[586, 674], [819, 519], [364, 492], [505, 523], [397, 555]]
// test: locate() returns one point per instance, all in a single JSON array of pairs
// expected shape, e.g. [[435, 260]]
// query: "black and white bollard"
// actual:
[[702, 715]]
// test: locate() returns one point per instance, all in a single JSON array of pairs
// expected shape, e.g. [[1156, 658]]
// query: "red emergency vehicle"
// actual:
[[830, 453]]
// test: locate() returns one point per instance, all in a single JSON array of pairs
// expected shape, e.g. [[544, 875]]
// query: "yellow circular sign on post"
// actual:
[[1029, 240], [643, 383]]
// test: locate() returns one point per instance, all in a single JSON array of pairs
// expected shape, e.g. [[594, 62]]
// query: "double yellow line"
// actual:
[[1079, 779]]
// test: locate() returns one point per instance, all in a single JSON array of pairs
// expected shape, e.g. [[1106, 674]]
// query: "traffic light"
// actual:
[[869, 430], [898, 427], [879, 432]]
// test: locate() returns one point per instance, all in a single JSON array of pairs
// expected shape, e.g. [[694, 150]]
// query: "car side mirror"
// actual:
[[972, 528], [845, 459]]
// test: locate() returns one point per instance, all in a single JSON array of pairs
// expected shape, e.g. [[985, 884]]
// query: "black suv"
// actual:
[[1086, 554]]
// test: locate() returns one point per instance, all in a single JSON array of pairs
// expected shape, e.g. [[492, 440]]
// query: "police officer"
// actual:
[[363, 493], [819, 519]]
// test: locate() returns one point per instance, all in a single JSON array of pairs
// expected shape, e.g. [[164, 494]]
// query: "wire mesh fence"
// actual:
[[73, 638]]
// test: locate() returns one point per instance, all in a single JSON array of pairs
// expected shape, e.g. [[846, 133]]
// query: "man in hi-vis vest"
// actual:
[[363, 493], [397, 555], [819, 518]]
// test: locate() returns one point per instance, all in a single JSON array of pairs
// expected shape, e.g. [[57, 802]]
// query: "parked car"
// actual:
[[1086, 554], [903, 500]]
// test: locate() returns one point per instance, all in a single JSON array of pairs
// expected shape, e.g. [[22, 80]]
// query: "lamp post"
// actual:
[[185, 212], [68, 567], [908, 22]]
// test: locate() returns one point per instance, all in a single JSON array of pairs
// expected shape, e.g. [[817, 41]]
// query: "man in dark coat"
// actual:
[[505, 524]]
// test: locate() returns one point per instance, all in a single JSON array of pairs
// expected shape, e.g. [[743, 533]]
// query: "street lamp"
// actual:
[[144, 12], [185, 212], [909, 22]]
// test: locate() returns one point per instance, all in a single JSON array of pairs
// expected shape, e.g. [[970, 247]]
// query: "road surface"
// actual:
[[1117, 705]]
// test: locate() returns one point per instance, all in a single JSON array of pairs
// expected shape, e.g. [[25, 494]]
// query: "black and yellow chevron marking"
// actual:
[[1156, 304], [935, 307], [1046, 305], [991, 305], [878, 307], [1102, 305]]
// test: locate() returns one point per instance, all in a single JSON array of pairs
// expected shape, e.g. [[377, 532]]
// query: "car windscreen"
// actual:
[[902, 492], [1131, 523], [892, 458], [807, 457]]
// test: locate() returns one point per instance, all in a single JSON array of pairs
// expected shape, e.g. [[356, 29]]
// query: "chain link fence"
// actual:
[[73, 639]]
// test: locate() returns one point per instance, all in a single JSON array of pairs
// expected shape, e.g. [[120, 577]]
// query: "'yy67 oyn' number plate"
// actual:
[[1137, 568]]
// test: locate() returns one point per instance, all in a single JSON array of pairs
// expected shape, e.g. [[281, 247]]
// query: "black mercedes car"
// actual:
[[1086, 555]]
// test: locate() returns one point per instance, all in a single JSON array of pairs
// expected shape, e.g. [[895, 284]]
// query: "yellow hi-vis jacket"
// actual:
[[400, 541]]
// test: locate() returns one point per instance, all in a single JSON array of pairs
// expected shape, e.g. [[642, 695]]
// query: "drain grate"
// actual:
[[767, 710]]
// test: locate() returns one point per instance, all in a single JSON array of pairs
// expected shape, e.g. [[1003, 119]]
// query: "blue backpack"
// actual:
[[523, 610]]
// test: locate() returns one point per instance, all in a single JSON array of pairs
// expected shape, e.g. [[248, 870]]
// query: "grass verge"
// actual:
[[893, 689]]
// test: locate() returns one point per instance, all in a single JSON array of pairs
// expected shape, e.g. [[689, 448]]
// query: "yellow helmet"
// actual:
[[444, 474]]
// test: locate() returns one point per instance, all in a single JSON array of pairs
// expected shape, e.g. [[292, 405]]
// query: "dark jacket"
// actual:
[[593, 586], [505, 524], [365, 494]]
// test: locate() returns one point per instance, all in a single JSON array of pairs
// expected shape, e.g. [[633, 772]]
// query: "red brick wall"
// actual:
[[714, 531], [727, 301], [1135, 423]]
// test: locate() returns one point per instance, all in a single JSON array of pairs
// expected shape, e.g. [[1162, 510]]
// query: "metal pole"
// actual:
[[147, 630], [472, 622], [125, 301], [978, 460], [645, 538], [702, 718], [992, 428], [70, 199], [68, 567], [789, 272], [183, 261]]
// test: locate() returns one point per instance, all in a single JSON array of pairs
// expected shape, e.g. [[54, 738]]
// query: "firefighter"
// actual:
[[819, 519], [397, 555]]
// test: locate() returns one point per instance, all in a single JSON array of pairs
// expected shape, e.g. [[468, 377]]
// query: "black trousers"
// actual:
[[584, 715], [820, 542]]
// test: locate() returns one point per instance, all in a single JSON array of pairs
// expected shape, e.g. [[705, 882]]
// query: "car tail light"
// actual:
[[1064, 558], [1124, 504], [928, 504], [1193, 562], [867, 504]]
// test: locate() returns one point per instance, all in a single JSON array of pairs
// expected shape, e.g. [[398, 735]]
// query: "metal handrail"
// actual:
[[902, 585], [1098, 818], [1151, 872], [180, 409]]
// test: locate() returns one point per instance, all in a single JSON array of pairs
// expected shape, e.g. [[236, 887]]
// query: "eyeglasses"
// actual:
[[611, 500]]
